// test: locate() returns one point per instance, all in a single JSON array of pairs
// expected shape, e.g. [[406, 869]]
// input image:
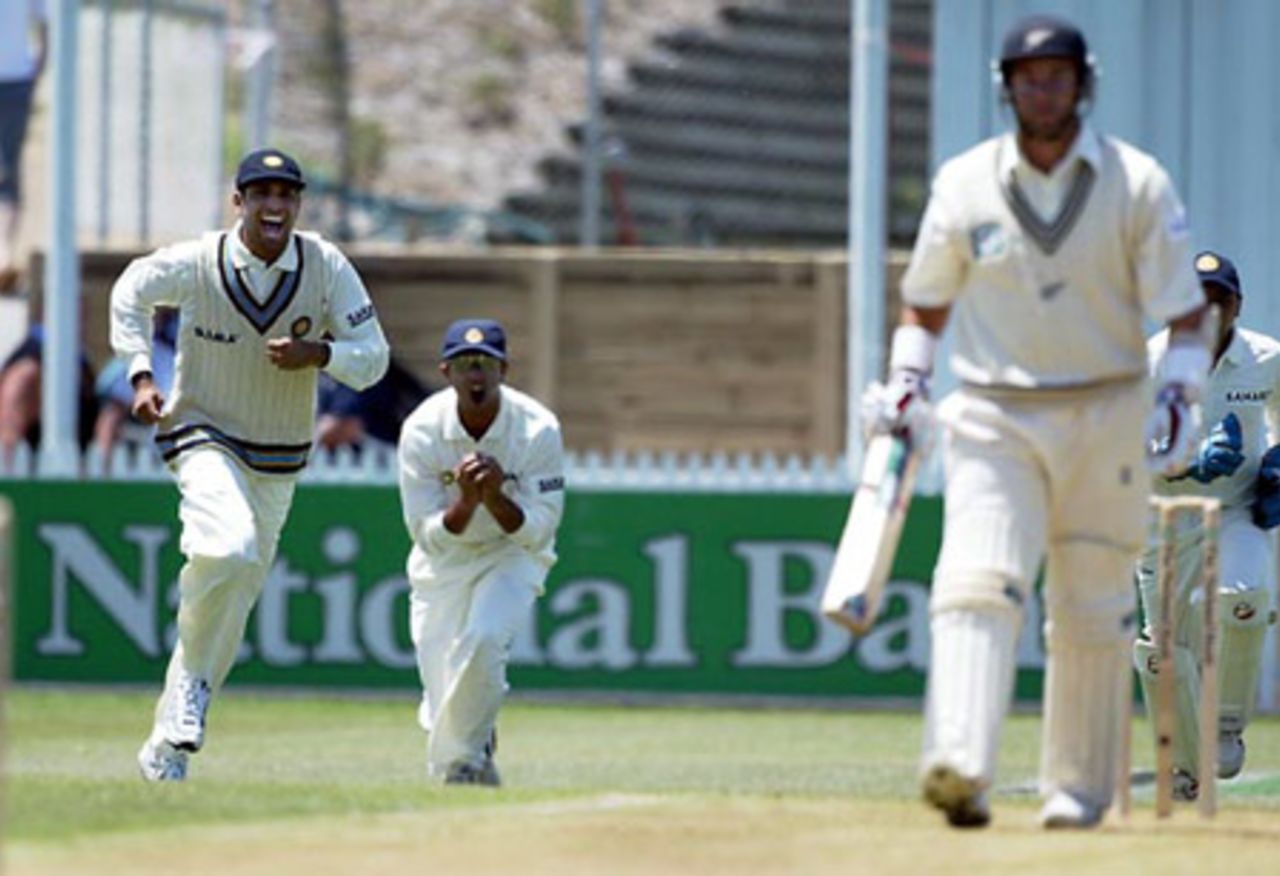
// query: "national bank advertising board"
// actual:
[[664, 592]]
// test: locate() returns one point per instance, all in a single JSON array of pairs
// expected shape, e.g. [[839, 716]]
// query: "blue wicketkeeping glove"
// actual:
[[1266, 491], [1220, 453]]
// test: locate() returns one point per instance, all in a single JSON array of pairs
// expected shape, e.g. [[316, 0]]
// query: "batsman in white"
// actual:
[[482, 484], [262, 308], [1045, 247], [1233, 464]]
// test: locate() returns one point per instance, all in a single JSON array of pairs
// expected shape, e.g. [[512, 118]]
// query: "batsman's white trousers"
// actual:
[[1056, 475], [462, 629], [231, 521]]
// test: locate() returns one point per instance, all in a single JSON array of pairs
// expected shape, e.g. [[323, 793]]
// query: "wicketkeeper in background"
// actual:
[[1233, 464], [1045, 247], [482, 483], [262, 308]]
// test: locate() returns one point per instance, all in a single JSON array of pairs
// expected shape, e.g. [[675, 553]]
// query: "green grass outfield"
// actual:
[[316, 785]]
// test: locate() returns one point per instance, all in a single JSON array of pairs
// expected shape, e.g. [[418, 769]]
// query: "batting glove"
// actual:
[[1266, 491], [901, 404], [1173, 428], [1220, 453]]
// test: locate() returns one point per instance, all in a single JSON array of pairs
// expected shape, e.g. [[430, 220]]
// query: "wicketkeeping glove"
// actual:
[[1220, 453], [1266, 491]]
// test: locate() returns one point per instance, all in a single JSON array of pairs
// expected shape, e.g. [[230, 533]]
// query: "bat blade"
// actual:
[[869, 542]]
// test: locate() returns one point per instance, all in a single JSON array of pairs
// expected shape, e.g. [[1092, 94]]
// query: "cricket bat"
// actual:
[[871, 532]]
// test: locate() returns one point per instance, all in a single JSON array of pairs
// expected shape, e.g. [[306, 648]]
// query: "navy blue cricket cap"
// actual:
[[1218, 269], [1043, 36], [474, 336], [262, 165]]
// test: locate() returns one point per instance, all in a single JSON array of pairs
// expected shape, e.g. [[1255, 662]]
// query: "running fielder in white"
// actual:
[[1045, 248], [1233, 464], [482, 483], [261, 309]]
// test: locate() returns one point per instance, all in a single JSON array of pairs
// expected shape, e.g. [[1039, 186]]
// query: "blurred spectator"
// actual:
[[24, 40], [115, 422], [374, 416], [20, 396]]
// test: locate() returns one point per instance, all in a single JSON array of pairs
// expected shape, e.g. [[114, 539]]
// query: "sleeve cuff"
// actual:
[[138, 363]]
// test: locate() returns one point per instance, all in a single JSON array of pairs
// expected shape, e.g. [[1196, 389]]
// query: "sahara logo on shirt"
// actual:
[[1247, 396], [550, 485], [216, 336], [360, 315]]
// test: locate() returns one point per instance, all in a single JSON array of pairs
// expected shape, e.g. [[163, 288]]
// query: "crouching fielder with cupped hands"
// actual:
[[482, 486], [1044, 248]]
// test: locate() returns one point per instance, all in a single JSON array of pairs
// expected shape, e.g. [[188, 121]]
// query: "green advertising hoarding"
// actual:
[[654, 591]]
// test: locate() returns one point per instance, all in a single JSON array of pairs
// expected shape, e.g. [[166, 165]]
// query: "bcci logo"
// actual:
[[273, 161], [474, 336], [447, 478], [301, 326]]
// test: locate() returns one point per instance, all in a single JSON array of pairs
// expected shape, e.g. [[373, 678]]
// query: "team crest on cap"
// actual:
[[273, 161], [1035, 37], [473, 336], [1208, 262], [300, 327]]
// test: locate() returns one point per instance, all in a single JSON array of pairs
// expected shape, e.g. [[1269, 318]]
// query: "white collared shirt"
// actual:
[[260, 276], [525, 440], [224, 378], [1046, 191], [1245, 381]]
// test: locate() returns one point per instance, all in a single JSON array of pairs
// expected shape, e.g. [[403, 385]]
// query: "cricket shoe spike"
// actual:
[[959, 797], [1065, 811], [161, 762], [185, 711]]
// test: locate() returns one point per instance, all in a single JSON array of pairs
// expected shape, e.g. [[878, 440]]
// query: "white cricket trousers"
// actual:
[[462, 629], [231, 521]]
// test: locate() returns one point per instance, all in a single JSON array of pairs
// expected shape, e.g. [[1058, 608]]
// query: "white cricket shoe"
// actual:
[[1230, 754], [161, 762], [184, 713], [959, 797], [462, 773], [1064, 810]]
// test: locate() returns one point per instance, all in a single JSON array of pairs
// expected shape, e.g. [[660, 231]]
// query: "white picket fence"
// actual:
[[628, 472]]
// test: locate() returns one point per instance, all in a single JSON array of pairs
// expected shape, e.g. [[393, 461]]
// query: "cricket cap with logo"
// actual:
[[263, 165], [1218, 269], [475, 336]]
